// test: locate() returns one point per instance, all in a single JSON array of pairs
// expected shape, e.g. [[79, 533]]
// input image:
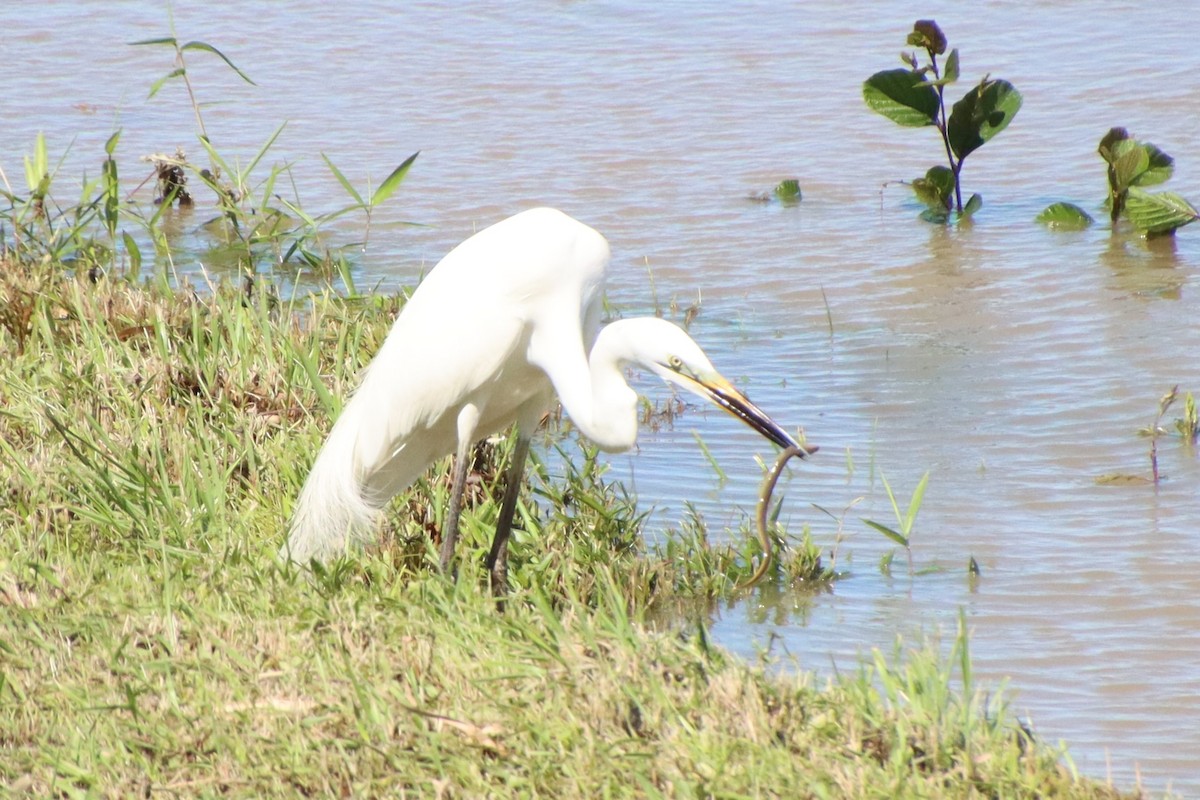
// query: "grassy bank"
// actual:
[[151, 442]]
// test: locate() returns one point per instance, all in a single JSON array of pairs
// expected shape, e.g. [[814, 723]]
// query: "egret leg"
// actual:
[[467, 419], [497, 560]]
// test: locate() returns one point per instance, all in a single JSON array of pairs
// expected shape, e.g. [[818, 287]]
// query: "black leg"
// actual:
[[462, 461], [497, 560]]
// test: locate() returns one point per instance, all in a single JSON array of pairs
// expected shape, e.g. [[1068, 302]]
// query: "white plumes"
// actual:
[[331, 513]]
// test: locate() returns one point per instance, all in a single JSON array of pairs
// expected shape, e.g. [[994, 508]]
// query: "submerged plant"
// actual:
[[915, 97], [256, 222], [1155, 430], [1132, 166], [1131, 163], [902, 533], [1188, 426]]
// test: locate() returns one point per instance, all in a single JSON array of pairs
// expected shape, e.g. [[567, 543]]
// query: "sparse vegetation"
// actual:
[[1131, 166]]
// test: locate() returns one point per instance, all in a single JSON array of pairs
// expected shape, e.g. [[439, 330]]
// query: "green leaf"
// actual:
[[1131, 160], [327, 399], [936, 189], [927, 34], [111, 144], [1160, 166], [903, 96], [1158, 213], [950, 73], [1065, 216], [928, 194], [393, 181], [934, 216], [1109, 142], [973, 204], [158, 84], [894, 535], [208, 48], [262, 151], [344, 181], [36, 167], [788, 190], [165, 40], [135, 255], [914, 503], [981, 114]]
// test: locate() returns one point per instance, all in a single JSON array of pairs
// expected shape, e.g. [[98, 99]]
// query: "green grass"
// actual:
[[151, 443]]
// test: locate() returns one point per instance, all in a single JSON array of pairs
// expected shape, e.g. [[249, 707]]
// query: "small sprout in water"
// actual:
[[788, 191]]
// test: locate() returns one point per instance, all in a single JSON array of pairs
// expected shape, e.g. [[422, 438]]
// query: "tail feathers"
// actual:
[[331, 515]]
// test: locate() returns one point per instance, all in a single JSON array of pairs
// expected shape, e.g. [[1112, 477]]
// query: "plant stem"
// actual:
[[941, 126]]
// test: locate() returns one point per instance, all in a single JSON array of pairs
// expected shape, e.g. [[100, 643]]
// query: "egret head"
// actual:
[[669, 352]]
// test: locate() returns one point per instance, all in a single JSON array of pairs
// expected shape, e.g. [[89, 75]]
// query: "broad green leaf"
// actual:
[[1066, 216], [1108, 143], [344, 181], [934, 216], [942, 178], [950, 73], [788, 190], [393, 181], [208, 48], [890, 533], [973, 204], [1160, 166], [1158, 213], [1131, 161], [981, 114], [903, 96], [929, 195], [936, 189]]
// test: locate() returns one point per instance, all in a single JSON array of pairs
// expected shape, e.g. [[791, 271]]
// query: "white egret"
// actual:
[[506, 321]]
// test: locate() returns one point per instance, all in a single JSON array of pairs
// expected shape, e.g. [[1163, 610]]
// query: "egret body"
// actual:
[[506, 321]]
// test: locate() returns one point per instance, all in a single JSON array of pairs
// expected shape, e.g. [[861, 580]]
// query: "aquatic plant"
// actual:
[[105, 228], [915, 97], [1065, 216], [902, 533], [1132, 165]]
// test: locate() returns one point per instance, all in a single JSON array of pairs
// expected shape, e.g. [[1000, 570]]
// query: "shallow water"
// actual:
[[1012, 363]]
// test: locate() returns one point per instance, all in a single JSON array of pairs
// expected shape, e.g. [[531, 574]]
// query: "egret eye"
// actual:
[[676, 363]]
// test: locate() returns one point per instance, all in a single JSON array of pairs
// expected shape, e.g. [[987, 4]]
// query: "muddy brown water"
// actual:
[[1012, 363]]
